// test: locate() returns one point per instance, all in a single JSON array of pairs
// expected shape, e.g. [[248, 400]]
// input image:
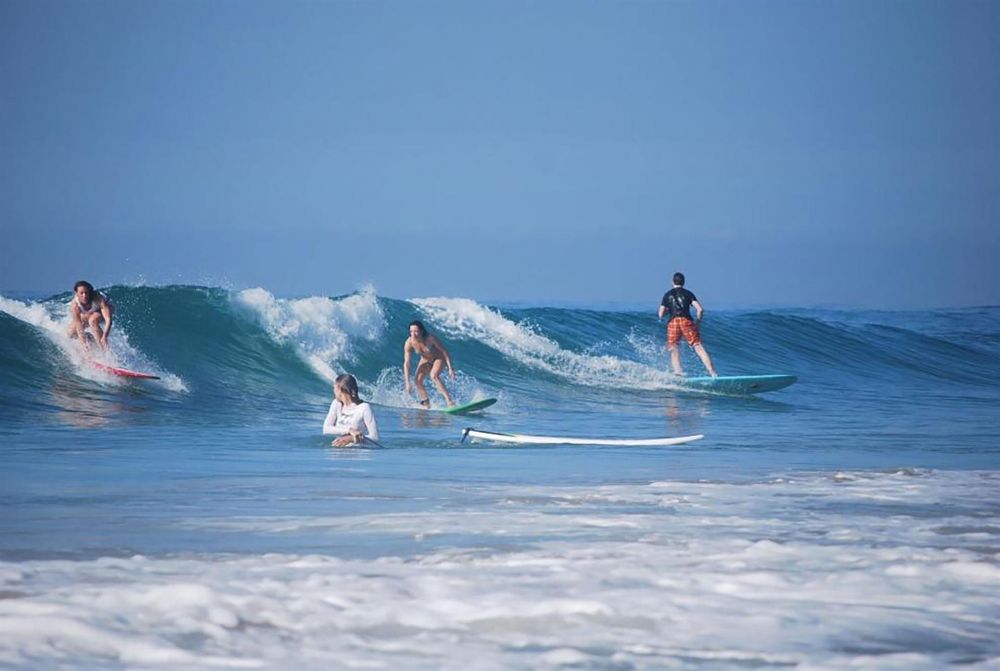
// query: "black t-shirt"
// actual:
[[678, 301]]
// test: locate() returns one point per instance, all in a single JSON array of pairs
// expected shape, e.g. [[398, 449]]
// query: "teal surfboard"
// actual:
[[740, 385], [467, 407]]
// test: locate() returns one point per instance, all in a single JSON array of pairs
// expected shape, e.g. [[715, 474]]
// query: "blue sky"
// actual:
[[780, 153]]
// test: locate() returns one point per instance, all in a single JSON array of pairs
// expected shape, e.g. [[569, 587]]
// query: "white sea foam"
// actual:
[[320, 329], [52, 320], [748, 575], [464, 318], [390, 390]]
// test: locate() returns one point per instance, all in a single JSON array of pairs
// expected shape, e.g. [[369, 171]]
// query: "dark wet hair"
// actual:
[[347, 384], [84, 283], [679, 279], [420, 325]]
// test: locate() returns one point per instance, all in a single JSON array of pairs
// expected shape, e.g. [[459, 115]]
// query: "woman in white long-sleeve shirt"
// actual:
[[349, 417]]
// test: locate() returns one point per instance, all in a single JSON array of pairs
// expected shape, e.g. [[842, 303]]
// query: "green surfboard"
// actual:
[[467, 407]]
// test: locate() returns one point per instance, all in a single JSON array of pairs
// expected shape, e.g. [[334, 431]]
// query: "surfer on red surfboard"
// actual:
[[86, 310]]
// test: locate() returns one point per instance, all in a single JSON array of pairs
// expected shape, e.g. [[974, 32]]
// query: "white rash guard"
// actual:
[[340, 420]]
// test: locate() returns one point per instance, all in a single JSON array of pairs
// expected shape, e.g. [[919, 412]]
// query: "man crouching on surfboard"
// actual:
[[87, 309], [432, 355], [678, 302]]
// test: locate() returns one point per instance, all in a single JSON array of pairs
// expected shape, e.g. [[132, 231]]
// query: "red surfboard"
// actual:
[[122, 372]]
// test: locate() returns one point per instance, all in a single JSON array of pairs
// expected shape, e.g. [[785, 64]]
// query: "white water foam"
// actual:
[[52, 320], [464, 318], [390, 390], [319, 328], [791, 572]]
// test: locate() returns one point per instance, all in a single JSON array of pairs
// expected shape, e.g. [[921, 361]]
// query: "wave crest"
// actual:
[[321, 330]]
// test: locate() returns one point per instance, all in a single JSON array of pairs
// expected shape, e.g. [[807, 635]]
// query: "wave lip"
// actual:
[[523, 342], [322, 330]]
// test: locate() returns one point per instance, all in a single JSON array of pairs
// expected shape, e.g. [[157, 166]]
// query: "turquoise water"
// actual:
[[202, 520]]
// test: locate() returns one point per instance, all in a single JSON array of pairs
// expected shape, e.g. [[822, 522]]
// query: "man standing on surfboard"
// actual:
[[678, 302], [432, 355], [87, 309]]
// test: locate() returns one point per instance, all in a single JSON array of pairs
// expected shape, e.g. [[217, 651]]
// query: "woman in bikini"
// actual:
[[433, 356]]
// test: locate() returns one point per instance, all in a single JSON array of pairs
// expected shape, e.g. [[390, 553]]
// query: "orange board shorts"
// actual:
[[682, 325]]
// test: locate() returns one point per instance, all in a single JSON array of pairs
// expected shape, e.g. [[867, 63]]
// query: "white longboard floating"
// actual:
[[524, 439]]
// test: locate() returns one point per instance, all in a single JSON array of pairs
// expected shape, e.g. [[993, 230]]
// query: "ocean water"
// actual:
[[201, 520]]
